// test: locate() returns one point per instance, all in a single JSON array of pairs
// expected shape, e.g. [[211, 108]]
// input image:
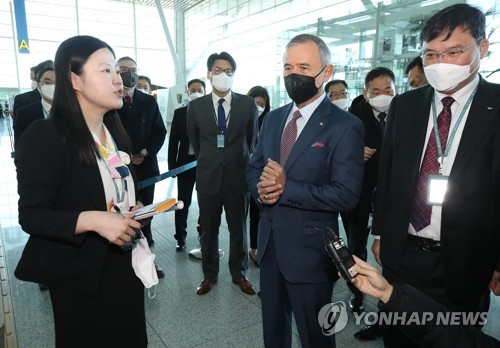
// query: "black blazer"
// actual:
[[25, 117], [25, 99], [54, 188], [373, 140], [178, 143], [239, 141], [406, 298], [470, 220], [146, 130]]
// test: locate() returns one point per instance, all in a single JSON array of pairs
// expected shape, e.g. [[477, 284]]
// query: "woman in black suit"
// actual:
[[263, 105], [71, 174]]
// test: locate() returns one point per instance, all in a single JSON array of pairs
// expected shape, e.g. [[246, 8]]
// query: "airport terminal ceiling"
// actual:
[[177, 5]]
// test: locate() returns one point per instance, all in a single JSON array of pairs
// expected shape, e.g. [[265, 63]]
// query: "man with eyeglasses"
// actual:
[[222, 128], [26, 115], [437, 221], [336, 90], [142, 120]]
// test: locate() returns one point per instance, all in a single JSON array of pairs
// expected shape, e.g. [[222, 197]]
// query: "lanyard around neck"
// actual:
[[442, 156]]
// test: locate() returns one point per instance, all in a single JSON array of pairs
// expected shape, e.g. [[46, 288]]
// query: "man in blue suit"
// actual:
[[307, 166]]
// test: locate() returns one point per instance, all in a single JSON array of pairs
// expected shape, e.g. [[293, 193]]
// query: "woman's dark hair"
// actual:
[[71, 56], [259, 91]]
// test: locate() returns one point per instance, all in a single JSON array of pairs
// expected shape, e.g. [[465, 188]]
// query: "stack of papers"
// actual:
[[157, 208]]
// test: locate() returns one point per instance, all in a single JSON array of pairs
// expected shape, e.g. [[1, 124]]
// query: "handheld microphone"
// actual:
[[339, 253]]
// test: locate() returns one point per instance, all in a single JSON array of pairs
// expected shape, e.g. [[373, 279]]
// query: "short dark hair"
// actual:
[[259, 91], [47, 63], [142, 77], [195, 81], [71, 56], [417, 61], [126, 58], [335, 82], [43, 71], [377, 72], [223, 56], [462, 16]]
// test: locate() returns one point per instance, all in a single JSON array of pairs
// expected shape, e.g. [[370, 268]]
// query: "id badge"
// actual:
[[436, 189], [220, 140]]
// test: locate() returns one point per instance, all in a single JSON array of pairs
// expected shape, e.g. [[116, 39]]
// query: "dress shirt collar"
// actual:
[[307, 110]]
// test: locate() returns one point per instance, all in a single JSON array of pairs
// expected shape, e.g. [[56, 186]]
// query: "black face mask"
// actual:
[[301, 88], [129, 79]]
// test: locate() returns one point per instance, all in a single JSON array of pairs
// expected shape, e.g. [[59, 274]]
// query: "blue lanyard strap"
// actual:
[[442, 155]]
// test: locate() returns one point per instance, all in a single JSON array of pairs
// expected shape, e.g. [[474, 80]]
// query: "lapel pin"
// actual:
[[321, 123], [489, 108]]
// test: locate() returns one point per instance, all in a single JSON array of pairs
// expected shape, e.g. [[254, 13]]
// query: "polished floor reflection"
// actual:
[[176, 317]]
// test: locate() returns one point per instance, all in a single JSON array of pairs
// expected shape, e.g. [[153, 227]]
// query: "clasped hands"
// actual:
[[272, 182]]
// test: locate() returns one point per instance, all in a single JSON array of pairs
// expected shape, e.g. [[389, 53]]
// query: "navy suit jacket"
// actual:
[[25, 117], [324, 174], [470, 217]]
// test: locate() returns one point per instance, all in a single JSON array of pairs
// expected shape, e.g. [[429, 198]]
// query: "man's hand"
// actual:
[[369, 153], [272, 182], [376, 251], [137, 158], [495, 283]]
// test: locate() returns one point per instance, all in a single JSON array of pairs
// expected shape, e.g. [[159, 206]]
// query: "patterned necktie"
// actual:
[[420, 215], [381, 121], [289, 137], [128, 100], [221, 117]]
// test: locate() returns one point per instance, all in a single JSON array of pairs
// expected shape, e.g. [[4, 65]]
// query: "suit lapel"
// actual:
[[313, 127], [92, 181], [483, 109]]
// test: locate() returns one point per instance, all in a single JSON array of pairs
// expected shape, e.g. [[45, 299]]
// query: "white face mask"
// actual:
[[342, 103], [381, 102], [260, 109], [34, 84], [143, 263], [143, 90], [222, 82], [195, 95], [48, 91], [444, 77]]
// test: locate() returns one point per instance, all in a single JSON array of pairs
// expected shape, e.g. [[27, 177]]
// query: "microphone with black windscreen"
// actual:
[[339, 253]]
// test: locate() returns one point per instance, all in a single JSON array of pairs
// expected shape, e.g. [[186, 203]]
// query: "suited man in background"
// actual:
[[33, 96], [141, 118], [372, 110], [180, 152], [449, 251], [307, 166], [222, 128], [39, 110]]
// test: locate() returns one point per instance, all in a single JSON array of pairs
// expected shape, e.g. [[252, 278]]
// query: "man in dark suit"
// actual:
[[141, 118], [447, 133], [222, 128], [26, 115], [372, 110], [34, 95], [307, 166], [180, 152]]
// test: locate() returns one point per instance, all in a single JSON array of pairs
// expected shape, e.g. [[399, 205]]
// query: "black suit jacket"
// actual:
[[54, 188], [470, 220], [146, 130], [407, 299], [373, 140], [25, 99], [240, 138], [25, 117], [178, 143]]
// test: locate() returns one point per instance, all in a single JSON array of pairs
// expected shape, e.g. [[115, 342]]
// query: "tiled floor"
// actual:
[[176, 317]]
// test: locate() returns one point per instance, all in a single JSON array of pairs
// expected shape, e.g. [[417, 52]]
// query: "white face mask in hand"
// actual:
[[143, 263]]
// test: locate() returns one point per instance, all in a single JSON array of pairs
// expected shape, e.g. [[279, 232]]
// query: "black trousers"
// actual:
[[424, 270], [185, 186]]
